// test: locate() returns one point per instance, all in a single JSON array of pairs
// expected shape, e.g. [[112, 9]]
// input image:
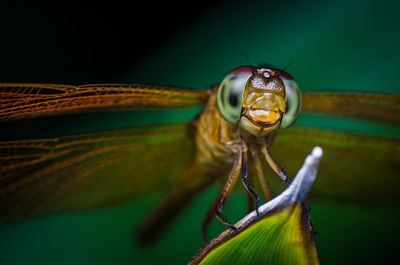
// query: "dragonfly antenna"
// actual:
[[289, 64], [253, 70]]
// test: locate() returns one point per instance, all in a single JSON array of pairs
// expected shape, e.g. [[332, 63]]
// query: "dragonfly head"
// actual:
[[259, 100]]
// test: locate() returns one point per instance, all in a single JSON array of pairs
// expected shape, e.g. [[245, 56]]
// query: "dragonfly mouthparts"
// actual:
[[264, 116]]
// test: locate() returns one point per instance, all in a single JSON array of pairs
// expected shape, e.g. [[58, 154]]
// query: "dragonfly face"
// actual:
[[260, 100]]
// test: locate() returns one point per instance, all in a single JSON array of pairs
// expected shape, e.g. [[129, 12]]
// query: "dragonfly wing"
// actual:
[[89, 171], [370, 106], [20, 101], [354, 167]]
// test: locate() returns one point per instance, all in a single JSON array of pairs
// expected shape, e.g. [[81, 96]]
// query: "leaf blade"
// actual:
[[281, 234], [264, 238]]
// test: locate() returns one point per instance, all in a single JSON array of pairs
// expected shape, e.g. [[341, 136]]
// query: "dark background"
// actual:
[[343, 45], [86, 41]]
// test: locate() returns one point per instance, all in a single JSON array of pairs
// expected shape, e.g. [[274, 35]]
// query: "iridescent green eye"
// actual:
[[230, 96], [293, 98]]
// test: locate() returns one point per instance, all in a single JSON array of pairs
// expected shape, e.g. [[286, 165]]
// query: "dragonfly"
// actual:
[[244, 128]]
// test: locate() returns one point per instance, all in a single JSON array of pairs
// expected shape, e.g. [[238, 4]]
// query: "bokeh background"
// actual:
[[342, 45]]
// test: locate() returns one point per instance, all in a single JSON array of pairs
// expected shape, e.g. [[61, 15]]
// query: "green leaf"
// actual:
[[282, 234]]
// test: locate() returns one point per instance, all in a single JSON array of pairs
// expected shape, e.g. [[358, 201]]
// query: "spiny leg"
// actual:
[[227, 190], [274, 164], [250, 199], [246, 182], [260, 174], [222, 198]]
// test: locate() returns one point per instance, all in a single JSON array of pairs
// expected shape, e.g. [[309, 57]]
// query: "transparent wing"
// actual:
[[371, 106], [89, 171], [20, 101], [354, 167]]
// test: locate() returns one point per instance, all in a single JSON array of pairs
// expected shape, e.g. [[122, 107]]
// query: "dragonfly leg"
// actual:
[[275, 165], [246, 182], [216, 209], [260, 174], [251, 203], [227, 190]]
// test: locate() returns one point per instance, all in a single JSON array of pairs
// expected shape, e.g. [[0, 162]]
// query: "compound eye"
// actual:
[[293, 107], [230, 97]]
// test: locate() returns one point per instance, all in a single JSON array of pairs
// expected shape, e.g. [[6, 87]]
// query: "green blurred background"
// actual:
[[344, 45]]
